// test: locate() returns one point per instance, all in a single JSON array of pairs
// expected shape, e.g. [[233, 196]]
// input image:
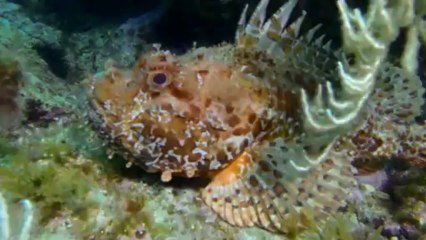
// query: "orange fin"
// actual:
[[263, 189], [227, 191]]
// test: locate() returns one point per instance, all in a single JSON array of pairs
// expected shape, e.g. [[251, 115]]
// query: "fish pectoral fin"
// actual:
[[252, 191], [232, 195]]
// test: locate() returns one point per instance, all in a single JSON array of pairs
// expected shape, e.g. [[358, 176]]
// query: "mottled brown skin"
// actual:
[[378, 142], [205, 114]]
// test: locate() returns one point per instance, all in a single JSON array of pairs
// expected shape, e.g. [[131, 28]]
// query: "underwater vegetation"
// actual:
[[9, 102], [279, 134]]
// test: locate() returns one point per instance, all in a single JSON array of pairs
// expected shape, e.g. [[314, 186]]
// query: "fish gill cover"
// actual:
[[279, 132]]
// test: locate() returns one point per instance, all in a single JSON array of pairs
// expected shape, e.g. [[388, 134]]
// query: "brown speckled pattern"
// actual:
[[206, 113]]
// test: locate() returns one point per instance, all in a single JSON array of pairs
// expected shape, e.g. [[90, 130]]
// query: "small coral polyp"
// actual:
[[269, 119]]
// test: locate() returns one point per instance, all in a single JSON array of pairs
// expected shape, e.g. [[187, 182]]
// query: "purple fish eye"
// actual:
[[160, 78]]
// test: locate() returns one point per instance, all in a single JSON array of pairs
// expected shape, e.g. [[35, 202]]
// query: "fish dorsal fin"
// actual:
[[270, 35], [398, 95], [301, 60], [278, 190]]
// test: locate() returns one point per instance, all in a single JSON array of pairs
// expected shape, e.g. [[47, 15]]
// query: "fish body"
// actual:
[[235, 113]]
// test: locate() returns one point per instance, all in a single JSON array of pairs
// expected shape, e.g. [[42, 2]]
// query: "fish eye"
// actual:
[[160, 79]]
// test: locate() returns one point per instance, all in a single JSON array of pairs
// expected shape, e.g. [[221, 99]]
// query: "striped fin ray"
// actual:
[[272, 194], [269, 36], [304, 60]]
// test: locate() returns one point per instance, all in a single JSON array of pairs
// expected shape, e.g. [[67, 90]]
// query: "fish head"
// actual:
[[181, 115]]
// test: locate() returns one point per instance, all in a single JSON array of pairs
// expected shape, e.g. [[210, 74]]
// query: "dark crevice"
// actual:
[[55, 59]]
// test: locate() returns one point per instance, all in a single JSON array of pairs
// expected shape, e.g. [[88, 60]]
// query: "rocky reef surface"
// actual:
[[57, 180]]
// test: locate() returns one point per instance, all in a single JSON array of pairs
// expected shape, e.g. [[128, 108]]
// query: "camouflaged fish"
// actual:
[[393, 129], [233, 113]]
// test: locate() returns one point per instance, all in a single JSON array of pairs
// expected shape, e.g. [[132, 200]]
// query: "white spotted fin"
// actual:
[[397, 96], [392, 130], [277, 188]]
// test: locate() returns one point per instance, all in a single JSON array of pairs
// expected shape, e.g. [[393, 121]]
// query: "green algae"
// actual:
[[38, 172], [410, 193], [343, 227], [46, 169]]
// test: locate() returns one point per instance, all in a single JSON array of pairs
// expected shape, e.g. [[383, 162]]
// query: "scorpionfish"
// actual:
[[232, 113]]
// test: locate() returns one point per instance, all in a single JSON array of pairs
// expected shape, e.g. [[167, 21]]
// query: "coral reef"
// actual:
[[26, 71]]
